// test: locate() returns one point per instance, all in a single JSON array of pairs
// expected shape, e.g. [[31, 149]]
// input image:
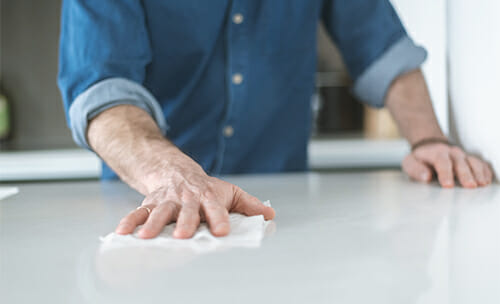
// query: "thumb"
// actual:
[[416, 169], [247, 204]]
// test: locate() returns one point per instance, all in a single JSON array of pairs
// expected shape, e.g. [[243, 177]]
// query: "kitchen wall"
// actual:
[[28, 67]]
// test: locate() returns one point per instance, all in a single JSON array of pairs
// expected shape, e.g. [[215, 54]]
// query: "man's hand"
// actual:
[[447, 162], [187, 195], [175, 186], [410, 104]]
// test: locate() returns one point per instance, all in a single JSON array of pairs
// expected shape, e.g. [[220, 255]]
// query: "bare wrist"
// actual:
[[129, 141]]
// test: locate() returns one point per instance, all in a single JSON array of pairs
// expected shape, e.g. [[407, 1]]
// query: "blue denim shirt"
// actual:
[[229, 82]]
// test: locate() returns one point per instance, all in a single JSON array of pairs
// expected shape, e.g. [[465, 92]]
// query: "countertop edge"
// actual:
[[82, 164]]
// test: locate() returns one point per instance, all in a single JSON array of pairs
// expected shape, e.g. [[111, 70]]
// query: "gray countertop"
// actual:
[[338, 238]]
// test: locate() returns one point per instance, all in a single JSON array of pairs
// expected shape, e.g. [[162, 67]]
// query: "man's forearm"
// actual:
[[130, 142], [175, 187], [410, 104]]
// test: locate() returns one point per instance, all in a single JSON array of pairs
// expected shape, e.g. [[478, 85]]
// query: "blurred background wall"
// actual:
[[28, 66], [474, 63], [29, 49], [29, 43]]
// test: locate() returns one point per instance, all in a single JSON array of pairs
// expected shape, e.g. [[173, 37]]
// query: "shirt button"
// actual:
[[228, 131], [237, 78], [238, 18]]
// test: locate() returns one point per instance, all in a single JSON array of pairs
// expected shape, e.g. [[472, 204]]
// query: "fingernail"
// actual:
[[272, 214], [424, 176], [120, 229], [221, 227], [448, 184], [180, 234], [179, 230], [472, 184]]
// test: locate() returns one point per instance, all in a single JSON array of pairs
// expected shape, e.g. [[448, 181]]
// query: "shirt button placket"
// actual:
[[238, 56], [238, 19]]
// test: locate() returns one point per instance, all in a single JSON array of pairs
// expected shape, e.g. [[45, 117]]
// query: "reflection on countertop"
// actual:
[[371, 237]]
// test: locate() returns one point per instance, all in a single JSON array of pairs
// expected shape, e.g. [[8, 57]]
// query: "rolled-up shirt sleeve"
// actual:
[[374, 44], [103, 54], [106, 94]]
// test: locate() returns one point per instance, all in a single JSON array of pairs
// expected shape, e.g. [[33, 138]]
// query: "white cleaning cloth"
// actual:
[[7, 191], [246, 231]]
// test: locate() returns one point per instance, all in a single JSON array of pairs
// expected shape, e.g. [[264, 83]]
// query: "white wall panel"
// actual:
[[474, 67]]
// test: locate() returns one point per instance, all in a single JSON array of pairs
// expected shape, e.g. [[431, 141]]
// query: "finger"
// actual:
[[135, 218], [416, 169], [162, 215], [217, 218], [477, 167], [462, 170], [187, 221], [250, 205], [444, 170], [488, 172]]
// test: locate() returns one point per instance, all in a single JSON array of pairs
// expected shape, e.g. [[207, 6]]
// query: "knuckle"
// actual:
[[439, 148], [443, 153], [237, 193], [210, 205], [192, 191], [147, 200], [442, 148], [474, 160], [187, 196], [152, 199], [190, 206], [457, 152], [237, 189], [209, 195], [172, 207], [443, 166], [166, 207]]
